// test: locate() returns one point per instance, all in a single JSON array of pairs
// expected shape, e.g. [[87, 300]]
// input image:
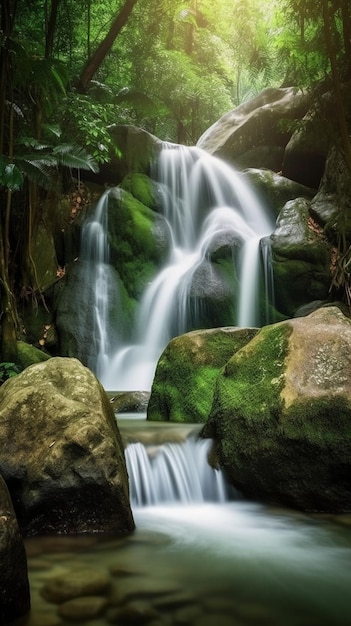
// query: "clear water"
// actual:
[[227, 563]]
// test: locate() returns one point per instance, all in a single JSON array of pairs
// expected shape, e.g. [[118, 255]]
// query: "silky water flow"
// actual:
[[201, 555], [203, 199]]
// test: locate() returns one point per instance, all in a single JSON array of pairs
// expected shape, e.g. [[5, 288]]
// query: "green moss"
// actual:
[[142, 188], [132, 244], [317, 422], [28, 354], [185, 377], [254, 375]]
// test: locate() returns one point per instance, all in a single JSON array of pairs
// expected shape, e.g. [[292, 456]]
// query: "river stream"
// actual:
[[212, 562]]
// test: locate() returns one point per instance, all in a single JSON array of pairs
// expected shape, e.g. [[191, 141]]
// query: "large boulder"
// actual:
[[332, 204], [281, 414], [275, 190], [14, 585], [301, 258], [182, 390], [256, 133], [61, 452], [136, 150]]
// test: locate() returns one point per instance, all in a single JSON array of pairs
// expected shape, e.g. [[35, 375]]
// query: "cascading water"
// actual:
[[203, 199], [173, 472], [98, 287]]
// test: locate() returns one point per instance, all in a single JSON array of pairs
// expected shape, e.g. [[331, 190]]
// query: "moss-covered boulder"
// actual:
[[143, 188], [274, 189], [281, 414], [61, 451], [29, 354], [301, 258], [182, 390], [138, 239], [332, 204]]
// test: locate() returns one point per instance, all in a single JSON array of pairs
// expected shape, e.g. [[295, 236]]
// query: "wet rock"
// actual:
[[282, 408], [301, 258], [65, 467], [137, 612], [14, 586], [130, 402], [81, 609], [254, 134], [139, 587], [182, 390], [174, 601], [76, 583]]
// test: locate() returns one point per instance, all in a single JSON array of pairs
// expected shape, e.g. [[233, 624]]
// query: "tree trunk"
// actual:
[[329, 28], [105, 46], [50, 29], [346, 23]]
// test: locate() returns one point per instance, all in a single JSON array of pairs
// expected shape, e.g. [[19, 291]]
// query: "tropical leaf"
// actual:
[[75, 157], [10, 175], [38, 169]]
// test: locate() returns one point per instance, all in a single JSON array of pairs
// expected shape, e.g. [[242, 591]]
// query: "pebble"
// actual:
[[137, 612], [80, 609], [75, 583], [141, 587]]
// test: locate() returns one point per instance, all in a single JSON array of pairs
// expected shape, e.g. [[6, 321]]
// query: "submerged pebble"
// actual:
[[83, 608], [84, 581]]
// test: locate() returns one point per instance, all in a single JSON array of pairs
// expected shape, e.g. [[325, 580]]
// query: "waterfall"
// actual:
[[203, 200], [98, 288], [173, 472]]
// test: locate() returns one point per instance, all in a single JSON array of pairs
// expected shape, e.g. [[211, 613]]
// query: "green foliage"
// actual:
[[8, 370], [10, 175], [87, 121]]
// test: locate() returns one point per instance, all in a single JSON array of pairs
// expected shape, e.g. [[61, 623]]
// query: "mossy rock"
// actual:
[[28, 355], [276, 190], [182, 390], [133, 232], [281, 414], [301, 258], [143, 189]]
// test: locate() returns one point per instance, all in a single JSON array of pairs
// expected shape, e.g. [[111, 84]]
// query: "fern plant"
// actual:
[[8, 370]]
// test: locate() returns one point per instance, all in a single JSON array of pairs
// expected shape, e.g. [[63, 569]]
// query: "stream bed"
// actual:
[[232, 563]]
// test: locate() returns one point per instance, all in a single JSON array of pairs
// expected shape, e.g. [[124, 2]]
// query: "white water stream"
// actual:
[[203, 199], [198, 558]]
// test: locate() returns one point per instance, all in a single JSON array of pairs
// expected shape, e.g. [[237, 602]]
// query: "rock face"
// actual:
[[254, 134], [182, 390], [332, 203], [14, 586], [281, 415], [301, 258], [61, 452]]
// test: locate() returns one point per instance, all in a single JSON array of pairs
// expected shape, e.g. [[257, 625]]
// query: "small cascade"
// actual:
[[173, 473], [97, 282], [204, 199]]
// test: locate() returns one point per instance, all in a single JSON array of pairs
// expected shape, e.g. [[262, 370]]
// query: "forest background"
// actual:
[[71, 68]]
